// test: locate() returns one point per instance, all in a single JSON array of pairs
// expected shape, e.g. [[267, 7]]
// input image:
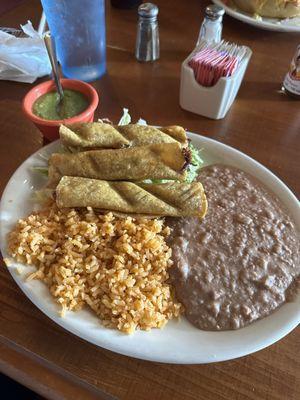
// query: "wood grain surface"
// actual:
[[263, 122]]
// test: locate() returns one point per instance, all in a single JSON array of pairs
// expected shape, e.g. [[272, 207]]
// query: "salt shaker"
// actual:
[[147, 41], [211, 28]]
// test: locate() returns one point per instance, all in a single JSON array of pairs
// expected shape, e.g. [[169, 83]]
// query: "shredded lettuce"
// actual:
[[42, 196], [126, 118], [196, 162], [41, 170], [141, 121], [157, 181]]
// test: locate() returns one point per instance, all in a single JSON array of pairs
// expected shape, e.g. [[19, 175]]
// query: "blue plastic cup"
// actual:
[[78, 28]]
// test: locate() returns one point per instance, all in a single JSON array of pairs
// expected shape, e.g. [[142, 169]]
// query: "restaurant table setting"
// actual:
[[165, 235]]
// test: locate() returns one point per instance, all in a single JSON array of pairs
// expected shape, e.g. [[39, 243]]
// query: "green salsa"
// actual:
[[73, 104]]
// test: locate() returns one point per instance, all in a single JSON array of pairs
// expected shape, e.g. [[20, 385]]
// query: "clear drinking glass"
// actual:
[[78, 28]]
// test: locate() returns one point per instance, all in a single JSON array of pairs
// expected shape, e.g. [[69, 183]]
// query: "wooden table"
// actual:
[[263, 123]]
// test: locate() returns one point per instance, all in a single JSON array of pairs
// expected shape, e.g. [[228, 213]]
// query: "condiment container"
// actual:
[[50, 128], [291, 83], [215, 101], [211, 28]]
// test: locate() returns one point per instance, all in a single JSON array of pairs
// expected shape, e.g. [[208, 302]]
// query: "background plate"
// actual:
[[179, 342], [271, 24]]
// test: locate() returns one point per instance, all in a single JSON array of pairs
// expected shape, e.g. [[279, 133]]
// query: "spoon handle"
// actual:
[[50, 46]]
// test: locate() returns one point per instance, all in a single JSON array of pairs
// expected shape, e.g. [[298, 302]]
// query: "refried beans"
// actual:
[[241, 261]]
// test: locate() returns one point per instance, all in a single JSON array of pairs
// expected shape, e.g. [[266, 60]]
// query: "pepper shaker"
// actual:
[[147, 41]]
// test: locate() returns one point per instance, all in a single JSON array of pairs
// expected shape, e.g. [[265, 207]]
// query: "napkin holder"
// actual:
[[215, 101]]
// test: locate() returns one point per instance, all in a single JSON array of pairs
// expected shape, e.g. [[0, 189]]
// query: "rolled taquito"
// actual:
[[174, 199], [156, 161], [98, 135]]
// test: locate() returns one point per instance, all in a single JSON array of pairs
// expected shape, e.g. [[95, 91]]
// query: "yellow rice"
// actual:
[[117, 266]]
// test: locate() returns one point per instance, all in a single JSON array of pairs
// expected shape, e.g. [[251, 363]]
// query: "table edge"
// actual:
[[50, 381]]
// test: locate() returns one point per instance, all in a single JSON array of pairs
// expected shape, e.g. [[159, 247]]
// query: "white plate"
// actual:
[[271, 24], [178, 342]]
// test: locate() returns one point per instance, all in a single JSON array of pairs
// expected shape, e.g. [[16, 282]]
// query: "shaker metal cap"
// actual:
[[214, 11], [148, 10]]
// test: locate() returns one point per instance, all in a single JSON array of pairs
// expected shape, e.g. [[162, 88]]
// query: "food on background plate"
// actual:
[[242, 261], [116, 266], [156, 161], [99, 135], [172, 198], [73, 103], [270, 8]]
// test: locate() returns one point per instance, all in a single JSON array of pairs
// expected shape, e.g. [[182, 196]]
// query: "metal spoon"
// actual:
[[50, 46]]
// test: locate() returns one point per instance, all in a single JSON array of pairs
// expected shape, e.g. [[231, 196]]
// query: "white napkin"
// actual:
[[23, 59]]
